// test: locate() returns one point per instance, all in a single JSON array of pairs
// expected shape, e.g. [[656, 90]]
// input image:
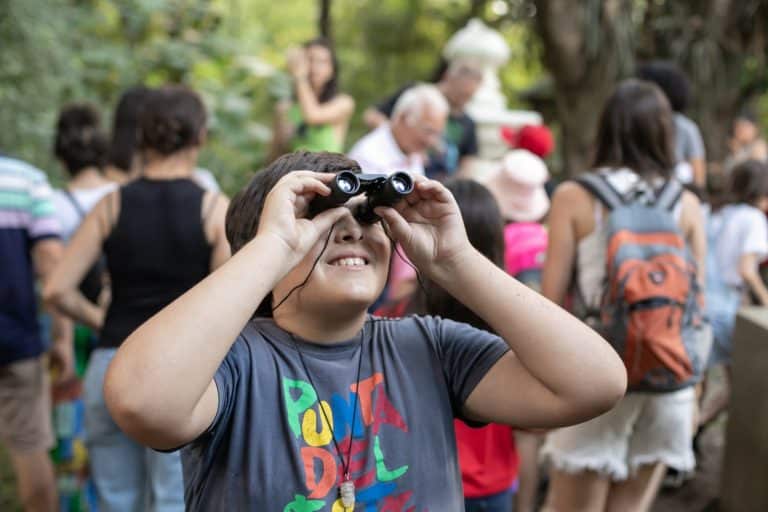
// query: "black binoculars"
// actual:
[[380, 190]]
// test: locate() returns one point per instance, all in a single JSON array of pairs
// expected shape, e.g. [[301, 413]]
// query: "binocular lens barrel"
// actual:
[[347, 182], [397, 185], [391, 190], [382, 190], [344, 186]]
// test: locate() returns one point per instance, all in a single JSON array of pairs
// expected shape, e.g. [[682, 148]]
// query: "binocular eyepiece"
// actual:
[[380, 190]]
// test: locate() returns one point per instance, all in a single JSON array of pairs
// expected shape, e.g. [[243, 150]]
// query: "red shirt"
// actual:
[[487, 457]]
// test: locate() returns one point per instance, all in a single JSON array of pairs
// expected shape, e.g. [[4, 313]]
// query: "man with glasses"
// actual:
[[458, 83], [416, 127]]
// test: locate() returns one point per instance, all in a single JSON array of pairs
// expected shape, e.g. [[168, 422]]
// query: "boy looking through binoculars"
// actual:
[[311, 404]]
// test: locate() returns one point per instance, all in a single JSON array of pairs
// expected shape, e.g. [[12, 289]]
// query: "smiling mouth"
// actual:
[[349, 262]]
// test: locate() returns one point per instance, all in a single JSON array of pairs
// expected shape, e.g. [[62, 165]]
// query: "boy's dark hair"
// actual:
[[244, 212], [671, 79], [485, 229], [331, 88], [125, 127], [79, 141], [636, 130], [173, 119], [749, 182]]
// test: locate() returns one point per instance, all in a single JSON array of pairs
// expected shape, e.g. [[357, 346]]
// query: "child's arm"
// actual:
[[62, 291], [692, 224], [750, 275], [559, 371], [159, 387]]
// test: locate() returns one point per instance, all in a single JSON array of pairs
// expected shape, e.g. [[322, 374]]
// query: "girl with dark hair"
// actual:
[[738, 242], [161, 233], [488, 458], [615, 462], [318, 116], [518, 185], [123, 161], [81, 146]]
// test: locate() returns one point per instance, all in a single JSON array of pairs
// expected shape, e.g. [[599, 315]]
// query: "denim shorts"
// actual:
[[643, 429]]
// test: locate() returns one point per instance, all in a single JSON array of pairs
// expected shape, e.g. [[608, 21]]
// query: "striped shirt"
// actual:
[[26, 216]]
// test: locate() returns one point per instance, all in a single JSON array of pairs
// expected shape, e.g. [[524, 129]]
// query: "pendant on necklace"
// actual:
[[347, 493]]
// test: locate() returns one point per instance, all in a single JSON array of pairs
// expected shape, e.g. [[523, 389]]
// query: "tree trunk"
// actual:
[[734, 37], [587, 48], [712, 41], [324, 22]]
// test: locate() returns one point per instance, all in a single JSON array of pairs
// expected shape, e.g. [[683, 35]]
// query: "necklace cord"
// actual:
[[306, 279], [344, 465]]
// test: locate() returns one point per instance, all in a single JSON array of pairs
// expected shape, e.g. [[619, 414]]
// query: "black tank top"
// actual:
[[156, 251]]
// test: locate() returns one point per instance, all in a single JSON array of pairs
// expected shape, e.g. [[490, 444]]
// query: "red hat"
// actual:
[[535, 138]]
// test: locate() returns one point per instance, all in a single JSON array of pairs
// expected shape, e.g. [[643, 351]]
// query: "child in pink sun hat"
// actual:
[[518, 186]]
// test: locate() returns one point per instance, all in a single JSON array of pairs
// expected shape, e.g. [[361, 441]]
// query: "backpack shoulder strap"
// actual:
[[599, 187], [669, 194]]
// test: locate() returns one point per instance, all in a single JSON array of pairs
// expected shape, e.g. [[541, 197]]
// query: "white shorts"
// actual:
[[643, 428]]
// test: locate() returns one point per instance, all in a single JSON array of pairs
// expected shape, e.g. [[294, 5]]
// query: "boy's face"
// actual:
[[350, 273]]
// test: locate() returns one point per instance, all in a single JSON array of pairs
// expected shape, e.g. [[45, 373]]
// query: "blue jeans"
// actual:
[[128, 477], [501, 502]]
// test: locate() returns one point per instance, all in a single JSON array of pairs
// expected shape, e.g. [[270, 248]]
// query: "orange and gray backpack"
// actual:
[[651, 309]]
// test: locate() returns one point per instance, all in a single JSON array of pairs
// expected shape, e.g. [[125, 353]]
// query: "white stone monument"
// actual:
[[488, 107]]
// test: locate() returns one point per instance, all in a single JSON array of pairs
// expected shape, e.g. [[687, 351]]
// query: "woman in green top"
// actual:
[[318, 116]]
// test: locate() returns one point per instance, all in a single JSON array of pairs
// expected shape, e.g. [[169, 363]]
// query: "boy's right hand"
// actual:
[[285, 209]]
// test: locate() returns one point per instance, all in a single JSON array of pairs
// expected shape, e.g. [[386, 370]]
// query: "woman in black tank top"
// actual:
[[161, 234]]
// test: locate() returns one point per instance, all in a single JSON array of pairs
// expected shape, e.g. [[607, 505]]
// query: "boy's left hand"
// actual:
[[428, 225]]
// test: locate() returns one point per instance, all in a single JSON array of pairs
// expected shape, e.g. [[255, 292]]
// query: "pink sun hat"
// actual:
[[518, 186]]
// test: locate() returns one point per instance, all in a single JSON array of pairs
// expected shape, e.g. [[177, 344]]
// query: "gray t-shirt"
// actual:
[[270, 447], [688, 142], [688, 146]]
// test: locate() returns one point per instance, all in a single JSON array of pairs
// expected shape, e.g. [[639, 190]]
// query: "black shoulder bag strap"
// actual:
[[91, 285], [75, 204]]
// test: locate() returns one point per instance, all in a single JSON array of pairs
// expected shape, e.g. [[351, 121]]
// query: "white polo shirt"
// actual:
[[378, 152]]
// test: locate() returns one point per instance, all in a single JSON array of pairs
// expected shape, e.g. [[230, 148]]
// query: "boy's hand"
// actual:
[[286, 206], [428, 225]]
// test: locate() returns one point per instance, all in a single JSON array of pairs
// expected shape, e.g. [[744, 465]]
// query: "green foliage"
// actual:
[[231, 51]]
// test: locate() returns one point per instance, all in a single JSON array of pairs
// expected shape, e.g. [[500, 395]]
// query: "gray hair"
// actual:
[[415, 99]]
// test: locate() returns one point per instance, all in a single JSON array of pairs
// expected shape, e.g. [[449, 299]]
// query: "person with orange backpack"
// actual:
[[629, 242]]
